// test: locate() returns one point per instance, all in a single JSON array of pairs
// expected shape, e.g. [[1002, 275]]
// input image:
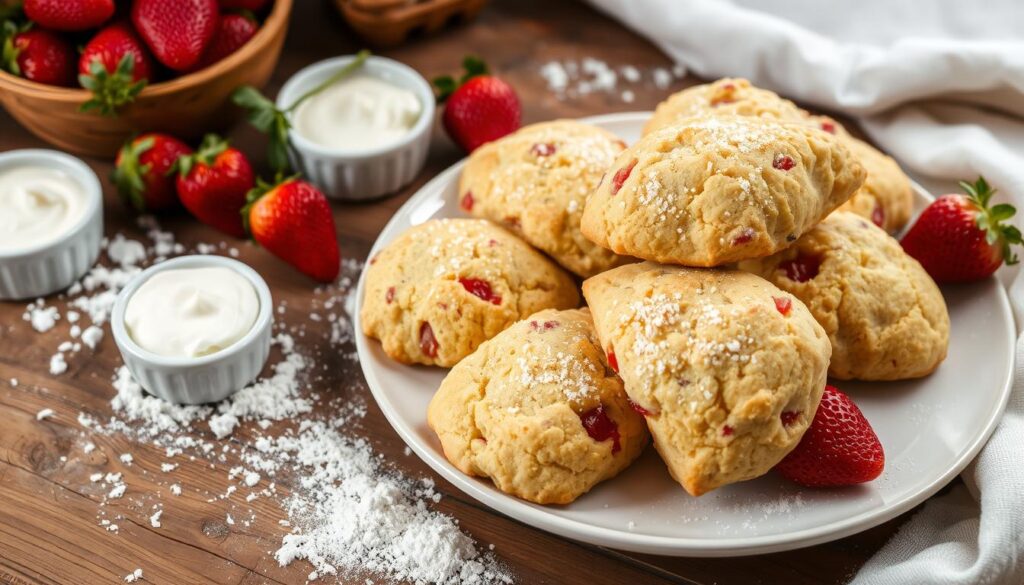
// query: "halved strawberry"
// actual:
[[959, 238], [839, 448]]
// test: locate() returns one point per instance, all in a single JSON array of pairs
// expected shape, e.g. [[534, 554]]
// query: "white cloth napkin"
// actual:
[[940, 86]]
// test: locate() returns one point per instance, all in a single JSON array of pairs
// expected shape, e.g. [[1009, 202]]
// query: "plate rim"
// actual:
[[539, 517]]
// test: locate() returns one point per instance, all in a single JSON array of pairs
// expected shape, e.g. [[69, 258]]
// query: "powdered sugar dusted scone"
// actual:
[[725, 97], [446, 286], [719, 189], [884, 316], [727, 369], [535, 182], [537, 410]]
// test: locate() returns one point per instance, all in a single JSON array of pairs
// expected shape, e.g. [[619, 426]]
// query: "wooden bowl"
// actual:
[[387, 23], [187, 107]]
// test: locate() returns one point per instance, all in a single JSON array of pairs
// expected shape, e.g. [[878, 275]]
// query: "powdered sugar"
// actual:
[[571, 78]]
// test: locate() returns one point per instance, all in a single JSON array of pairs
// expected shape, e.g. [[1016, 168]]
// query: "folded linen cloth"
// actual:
[[940, 86]]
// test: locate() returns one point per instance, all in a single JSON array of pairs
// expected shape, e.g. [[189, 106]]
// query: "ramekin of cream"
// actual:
[[194, 329], [51, 222], [363, 136]]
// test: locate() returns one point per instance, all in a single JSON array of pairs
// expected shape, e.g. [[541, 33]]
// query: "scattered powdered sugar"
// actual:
[[571, 78], [350, 512]]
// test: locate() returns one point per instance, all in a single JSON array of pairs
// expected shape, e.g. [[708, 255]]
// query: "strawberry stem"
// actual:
[[446, 84], [989, 219], [111, 91], [128, 175], [211, 147]]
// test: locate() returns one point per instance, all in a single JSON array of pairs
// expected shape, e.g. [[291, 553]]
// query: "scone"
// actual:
[[535, 182], [537, 410], [717, 190], [727, 369], [446, 286], [725, 97], [887, 196], [884, 316]]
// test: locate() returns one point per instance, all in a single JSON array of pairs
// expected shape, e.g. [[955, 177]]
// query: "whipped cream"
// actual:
[[191, 312], [358, 113], [38, 205]]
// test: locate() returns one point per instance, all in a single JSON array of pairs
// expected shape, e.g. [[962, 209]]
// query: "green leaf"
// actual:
[[446, 86], [111, 91], [1001, 212], [473, 66]]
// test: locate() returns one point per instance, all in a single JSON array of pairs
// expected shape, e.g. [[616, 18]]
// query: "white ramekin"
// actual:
[[360, 175], [49, 267], [211, 378]]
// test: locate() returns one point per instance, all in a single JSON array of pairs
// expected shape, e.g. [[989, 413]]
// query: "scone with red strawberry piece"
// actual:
[[536, 181], [537, 410], [885, 317], [726, 368], [887, 196], [717, 190], [445, 286]]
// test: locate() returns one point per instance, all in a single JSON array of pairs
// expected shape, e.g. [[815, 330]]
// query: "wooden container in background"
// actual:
[[188, 106], [387, 23]]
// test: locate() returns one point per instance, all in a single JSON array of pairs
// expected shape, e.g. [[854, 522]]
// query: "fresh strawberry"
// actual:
[[959, 238], [144, 171], [839, 448], [233, 31], [253, 5], [177, 32], [115, 66], [69, 15], [213, 184], [480, 108], [38, 55], [293, 220]]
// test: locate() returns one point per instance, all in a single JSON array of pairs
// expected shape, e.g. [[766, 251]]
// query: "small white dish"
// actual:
[[48, 267], [359, 175], [210, 378], [931, 429]]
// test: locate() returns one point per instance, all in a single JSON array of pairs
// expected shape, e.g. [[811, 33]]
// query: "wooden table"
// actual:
[[48, 527]]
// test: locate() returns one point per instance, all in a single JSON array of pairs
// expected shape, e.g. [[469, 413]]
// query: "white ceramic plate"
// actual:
[[930, 429]]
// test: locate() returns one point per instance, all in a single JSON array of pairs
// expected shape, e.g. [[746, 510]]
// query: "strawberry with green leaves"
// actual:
[[115, 66], [144, 171], [293, 220], [839, 448], [961, 238], [479, 107], [37, 55], [213, 184]]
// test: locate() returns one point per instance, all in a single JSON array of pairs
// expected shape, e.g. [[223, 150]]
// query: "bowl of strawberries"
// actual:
[[144, 65]]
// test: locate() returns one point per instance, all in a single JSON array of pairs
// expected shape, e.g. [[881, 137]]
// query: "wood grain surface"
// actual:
[[49, 532]]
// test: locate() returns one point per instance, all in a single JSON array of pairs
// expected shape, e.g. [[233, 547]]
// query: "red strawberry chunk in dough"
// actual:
[[428, 343], [878, 216], [744, 236], [727, 431], [621, 175], [389, 297], [480, 288], [839, 448], [600, 427], [543, 149], [613, 363], [789, 417], [783, 305], [783, 162], [802, 268], [545, 326], [829, 127], [638, 409], [467, 201]]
